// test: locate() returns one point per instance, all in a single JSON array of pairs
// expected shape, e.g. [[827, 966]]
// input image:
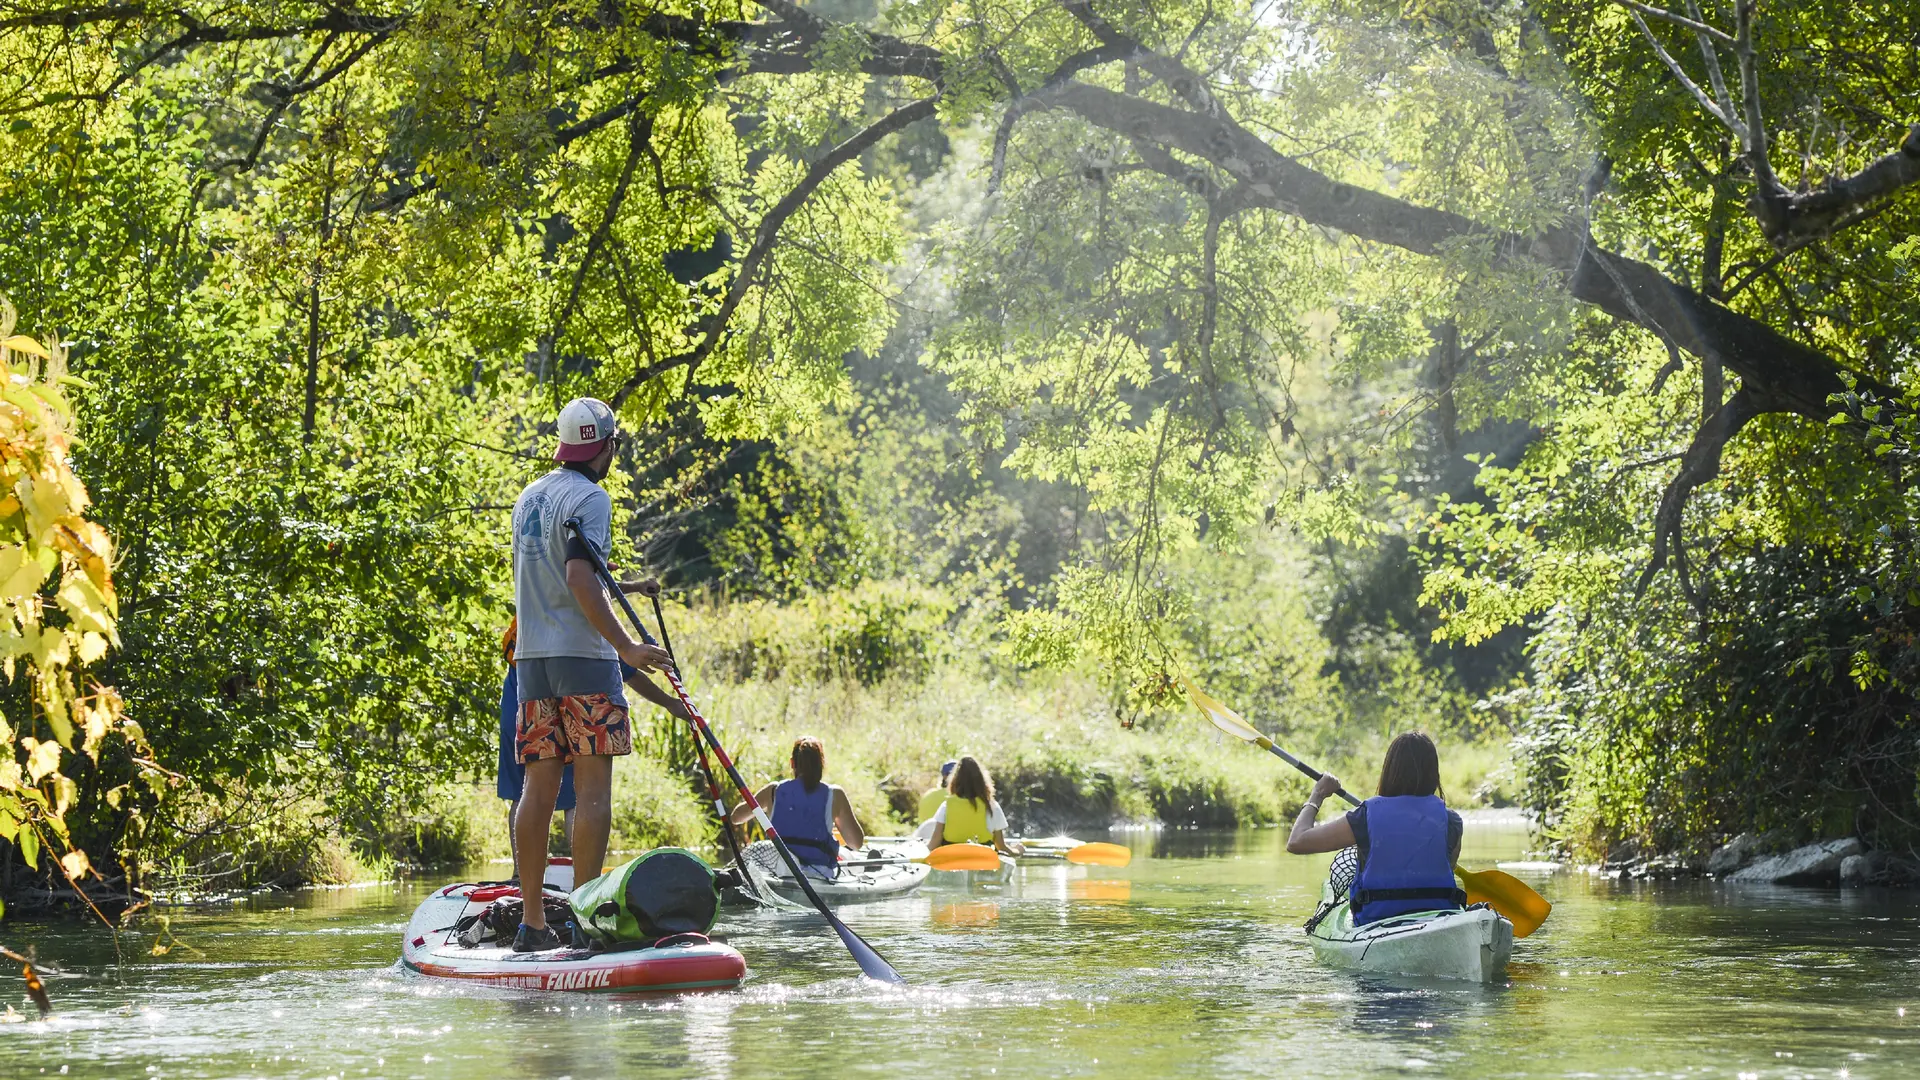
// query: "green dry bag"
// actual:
[[667, 891]]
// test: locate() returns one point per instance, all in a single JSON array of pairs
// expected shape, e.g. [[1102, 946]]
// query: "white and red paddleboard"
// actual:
[[689, 962]]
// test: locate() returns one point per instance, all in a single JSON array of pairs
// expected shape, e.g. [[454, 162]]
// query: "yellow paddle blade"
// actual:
[[963, 857], [1508, 895], [1222, 717], [1099, 854]]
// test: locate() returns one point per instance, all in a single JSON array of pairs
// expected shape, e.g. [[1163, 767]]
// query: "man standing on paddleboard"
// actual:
[[568, 657]]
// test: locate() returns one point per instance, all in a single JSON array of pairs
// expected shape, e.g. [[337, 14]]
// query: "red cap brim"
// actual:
[[579, 451]]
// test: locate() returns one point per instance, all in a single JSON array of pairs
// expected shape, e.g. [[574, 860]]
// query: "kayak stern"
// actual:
[[1472, 944]]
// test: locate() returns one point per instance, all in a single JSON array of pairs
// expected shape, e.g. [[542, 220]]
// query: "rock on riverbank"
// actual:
[[1750, 859], [1767, 859], [1814, 864]]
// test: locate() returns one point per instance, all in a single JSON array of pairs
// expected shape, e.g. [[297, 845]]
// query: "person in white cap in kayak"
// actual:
[[568, 659]]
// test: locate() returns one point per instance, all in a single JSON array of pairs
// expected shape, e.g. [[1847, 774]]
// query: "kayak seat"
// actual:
[[1362, 897]]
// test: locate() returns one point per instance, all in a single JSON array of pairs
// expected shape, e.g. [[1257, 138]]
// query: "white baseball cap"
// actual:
[[585, 426]]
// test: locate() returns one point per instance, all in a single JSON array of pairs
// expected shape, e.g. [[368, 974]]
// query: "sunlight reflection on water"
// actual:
[[1189, 962]]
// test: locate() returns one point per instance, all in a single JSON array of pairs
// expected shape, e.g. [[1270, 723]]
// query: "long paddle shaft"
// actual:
[[706, 767], [870, 961], [1303, 767], [720, 809]]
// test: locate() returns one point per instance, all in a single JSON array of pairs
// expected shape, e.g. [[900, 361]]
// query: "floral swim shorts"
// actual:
[[580, 725]]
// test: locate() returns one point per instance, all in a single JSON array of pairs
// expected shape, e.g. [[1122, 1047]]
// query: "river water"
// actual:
[[1190, 962]]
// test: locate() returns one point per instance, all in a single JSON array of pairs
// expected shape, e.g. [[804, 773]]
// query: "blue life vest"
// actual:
[[804, 819], [1403, 860]]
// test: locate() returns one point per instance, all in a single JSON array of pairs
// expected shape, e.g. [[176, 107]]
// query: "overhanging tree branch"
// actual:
[[1182, 80], [639, 132], [1795, 378], [284, 94], [1722, 111], [410, 189], [1023, 104], [1699, 463], [715, 325]]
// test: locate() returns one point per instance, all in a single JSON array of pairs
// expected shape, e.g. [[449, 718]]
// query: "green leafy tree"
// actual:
[[435, 218]]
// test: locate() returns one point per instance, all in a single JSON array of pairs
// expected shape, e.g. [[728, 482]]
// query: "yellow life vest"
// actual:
[[931, 801], [967, 822]]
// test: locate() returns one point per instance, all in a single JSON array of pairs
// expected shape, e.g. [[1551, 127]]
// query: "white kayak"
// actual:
[[858, 878], [1472, 944]]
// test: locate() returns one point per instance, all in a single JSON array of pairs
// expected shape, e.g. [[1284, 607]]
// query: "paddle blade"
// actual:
[[872, 965], [1099, 854], [963, 857], [1508, 895], [1219, 715]]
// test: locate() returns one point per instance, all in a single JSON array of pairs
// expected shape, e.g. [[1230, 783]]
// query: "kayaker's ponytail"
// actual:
[[1412, 766], [970, 781], [809, 761]]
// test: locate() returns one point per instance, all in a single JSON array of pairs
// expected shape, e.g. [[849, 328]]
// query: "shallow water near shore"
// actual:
[[1189, 962]]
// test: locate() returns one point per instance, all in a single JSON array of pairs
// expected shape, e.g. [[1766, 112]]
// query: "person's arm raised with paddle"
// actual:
[[1508, 895], [1311, 836]]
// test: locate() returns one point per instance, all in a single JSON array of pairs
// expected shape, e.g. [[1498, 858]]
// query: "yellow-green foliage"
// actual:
[[868, 631], [653, 807], [206, 843], [47, 543]]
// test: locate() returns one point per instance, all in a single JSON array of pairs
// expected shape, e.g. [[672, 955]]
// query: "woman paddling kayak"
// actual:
[[970, 815], [805, 810], [1406, 838]]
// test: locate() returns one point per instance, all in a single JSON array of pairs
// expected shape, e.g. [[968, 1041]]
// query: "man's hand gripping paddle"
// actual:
[[870, 961], [1502, 891]]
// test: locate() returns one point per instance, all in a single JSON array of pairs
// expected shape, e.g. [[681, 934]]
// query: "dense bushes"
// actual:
[[1786, 707]]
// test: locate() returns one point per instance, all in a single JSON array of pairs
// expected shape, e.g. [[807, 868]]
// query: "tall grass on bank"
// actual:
[[1058, 757], [896, 680]]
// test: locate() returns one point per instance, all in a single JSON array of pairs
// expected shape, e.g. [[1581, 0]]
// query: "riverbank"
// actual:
[[1771, 859]]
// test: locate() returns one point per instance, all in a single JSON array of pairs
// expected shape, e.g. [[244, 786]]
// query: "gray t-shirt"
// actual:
[[551, 622]]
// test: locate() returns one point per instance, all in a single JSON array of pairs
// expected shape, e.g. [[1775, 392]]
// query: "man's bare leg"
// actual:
[[593, 816], [530, 826], [513, 840]]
